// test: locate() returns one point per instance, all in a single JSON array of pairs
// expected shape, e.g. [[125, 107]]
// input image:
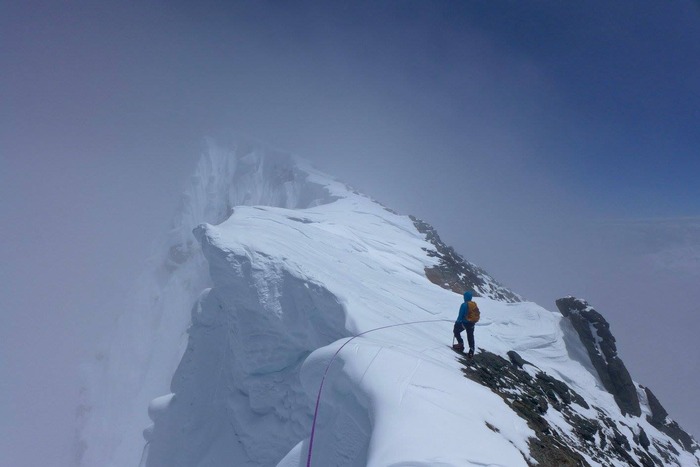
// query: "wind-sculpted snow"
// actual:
[[142, 350], [238, 381], [371, 264], [395, 396], [288, 264]]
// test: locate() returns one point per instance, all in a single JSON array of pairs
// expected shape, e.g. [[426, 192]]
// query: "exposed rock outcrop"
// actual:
[[594, 332], [530, 398], [598, 439], [660, 420], [457, 274]]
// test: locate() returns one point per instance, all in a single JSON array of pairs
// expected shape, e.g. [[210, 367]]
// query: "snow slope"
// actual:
[[289, 282], [144, 346], [297, 265]]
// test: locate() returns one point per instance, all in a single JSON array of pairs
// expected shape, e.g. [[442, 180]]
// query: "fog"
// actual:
[[555, 146]]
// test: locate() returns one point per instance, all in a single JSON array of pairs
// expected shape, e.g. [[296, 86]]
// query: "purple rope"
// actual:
[[323, 380]]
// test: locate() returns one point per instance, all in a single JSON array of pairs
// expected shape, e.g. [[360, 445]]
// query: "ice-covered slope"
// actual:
[[144, 347], [291, 282], [298, 264]]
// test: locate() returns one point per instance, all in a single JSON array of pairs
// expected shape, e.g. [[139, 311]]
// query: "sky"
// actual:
[[552, 143]]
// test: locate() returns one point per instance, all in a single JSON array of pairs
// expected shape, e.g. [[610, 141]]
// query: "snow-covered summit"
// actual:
[[237, 324]]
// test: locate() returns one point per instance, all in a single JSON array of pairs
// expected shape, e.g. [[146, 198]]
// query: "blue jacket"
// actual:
[[462, 317]]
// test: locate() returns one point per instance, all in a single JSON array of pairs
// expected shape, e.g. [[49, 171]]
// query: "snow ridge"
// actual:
[[284, 265], [142, 351]]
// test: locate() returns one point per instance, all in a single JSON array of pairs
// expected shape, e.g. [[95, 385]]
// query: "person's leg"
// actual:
[[470, 336], [457, 330]]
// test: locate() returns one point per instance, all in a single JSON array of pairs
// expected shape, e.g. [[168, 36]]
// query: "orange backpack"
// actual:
[[473, 314]]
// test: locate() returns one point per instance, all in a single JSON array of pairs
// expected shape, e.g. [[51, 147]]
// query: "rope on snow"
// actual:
[[325, 373]]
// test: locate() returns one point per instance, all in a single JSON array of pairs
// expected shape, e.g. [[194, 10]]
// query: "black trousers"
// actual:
[[469, 327]]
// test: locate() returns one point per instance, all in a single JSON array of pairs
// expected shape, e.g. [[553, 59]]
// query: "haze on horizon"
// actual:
[[554, 145]]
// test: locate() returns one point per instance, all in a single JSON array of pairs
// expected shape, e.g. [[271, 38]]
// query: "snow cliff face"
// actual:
[[284, 266], [142, 351]]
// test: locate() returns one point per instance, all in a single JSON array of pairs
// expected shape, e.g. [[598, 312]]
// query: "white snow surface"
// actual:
[[145, 344], [300, 264]]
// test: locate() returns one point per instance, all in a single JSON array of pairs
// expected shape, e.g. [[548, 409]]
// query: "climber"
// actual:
[[466, 320]]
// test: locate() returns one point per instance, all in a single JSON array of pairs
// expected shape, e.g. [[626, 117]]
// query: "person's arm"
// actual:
[[462, 313]]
